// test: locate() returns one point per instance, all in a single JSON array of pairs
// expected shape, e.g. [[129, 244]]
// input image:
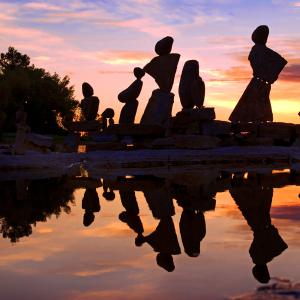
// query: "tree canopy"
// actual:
[[42, 94]]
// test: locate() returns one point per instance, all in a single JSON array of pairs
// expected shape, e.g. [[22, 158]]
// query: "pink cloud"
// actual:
[[41, 6]]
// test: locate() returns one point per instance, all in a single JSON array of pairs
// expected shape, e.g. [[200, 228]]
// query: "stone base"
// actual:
[[277, 130], [135, 130], [216, 128], [159, 109], [196, 114]]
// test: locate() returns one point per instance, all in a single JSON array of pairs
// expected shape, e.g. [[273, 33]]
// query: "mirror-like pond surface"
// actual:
[[198, 235]]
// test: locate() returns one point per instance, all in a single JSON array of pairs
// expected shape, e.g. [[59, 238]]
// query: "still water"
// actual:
[[198, 235]]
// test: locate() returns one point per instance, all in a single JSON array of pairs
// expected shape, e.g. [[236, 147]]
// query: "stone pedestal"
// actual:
[[196, 114], [159, 108]]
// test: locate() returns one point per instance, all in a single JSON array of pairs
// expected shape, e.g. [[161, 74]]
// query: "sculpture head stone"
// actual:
[[191, 68], [164, 46], [138, 73], [87, 90], [260, 35], [108, 113]]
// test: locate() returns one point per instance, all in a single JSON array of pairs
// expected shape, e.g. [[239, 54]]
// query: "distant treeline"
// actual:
[[42, 94]]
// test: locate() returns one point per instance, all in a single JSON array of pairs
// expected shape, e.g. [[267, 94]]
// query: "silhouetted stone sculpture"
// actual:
[[129, 97], [90, 104], [254, 201], [159, 200], [131, 214], [192, 230], [191, 86], [163, 240], [162, 68], [108, 114], [255, 105], [91, 204]]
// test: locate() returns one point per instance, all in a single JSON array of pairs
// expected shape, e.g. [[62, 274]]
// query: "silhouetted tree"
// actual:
[[43, 95]]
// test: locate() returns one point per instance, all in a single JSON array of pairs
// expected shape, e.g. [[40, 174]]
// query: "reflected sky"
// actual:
[[63, 259]]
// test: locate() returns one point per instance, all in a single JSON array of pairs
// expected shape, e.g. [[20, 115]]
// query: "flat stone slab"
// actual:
[[136, 130]]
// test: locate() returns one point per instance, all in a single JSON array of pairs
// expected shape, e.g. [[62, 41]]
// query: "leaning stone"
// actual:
[[163, 70], [164, 46], [128, 112], [159, 109], [216, 128], [132, 92], [188, 142]]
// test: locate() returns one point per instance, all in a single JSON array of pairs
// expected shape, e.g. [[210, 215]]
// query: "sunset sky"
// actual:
[[102, 41]]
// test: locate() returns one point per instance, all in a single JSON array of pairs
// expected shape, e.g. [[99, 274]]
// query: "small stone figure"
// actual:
[[255, 105], [129, 97], [162, 68], [90, 104], [108, 114], [191, 86]]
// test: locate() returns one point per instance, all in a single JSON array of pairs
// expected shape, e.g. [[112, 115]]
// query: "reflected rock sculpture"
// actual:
[[255, 105], [191, 86], [129, 97], [90, 104], [163, 69], [91, 204]]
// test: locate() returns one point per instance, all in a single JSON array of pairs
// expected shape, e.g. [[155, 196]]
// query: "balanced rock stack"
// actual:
[[90, 104], [129, 97], [195, 119], [162, 68]]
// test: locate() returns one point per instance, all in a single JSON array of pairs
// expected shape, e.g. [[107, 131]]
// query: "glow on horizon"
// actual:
[[101, 42]]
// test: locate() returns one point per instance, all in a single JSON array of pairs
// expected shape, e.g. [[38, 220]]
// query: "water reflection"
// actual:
[[24, 203], [254, 199]]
